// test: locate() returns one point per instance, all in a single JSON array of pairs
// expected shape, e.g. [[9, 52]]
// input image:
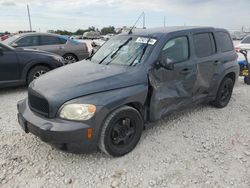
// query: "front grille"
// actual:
[[38, 103]]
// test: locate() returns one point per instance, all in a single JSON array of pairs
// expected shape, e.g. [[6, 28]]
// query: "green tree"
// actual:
[[108, 30]]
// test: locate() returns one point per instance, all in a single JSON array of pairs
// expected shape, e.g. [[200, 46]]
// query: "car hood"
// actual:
[[84, 78]]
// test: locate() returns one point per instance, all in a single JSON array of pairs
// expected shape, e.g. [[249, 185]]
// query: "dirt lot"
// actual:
[[200, 147]]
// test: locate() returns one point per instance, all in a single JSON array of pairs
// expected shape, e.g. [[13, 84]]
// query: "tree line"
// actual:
[[103, 31]]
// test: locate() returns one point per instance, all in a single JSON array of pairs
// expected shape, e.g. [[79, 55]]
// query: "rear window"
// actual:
[[225, 41], [204, 44], [246, 40], [63, 40]]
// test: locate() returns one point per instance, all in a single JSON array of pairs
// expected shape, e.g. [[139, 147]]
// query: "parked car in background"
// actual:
[[244, 44], [91, 35], [97, 43], [237, 35], [107, 37], [4, 37], [71, 50], [76, 37], [132, 80], [21, 66]]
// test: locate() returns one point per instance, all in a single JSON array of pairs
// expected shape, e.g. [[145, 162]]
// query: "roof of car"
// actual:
[[158, 32], [36, 33]]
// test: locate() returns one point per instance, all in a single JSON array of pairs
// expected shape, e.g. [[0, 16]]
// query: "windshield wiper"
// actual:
[[118, 49], [113, 53], [143, 52]]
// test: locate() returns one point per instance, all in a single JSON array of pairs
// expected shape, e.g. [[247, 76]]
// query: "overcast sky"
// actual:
[[74, 14]]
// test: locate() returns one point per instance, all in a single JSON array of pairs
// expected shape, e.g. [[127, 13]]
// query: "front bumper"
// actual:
[[66, 135]]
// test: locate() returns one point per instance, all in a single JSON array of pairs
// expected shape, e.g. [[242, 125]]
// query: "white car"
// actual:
[[245, 43]]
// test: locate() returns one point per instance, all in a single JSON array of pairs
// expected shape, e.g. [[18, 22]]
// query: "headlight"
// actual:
[[78, 112]]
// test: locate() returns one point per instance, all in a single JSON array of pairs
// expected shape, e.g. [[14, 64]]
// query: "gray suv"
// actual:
[[71, 50], [132, 80]]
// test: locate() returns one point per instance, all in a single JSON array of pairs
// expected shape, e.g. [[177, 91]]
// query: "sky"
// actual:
[[74, 14]]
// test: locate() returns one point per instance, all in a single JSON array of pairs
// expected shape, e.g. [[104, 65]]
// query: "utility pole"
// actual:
[[28, 9], [164, 21]]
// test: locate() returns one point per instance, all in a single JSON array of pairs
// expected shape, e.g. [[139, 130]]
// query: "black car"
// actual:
[[21, 66], [131, 80]]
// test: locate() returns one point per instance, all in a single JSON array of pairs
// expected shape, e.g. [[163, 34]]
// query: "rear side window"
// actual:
[[225, 42], [50, 40], [204, 44], [246, 40], [63, 40], [176, 50], [28, 41]]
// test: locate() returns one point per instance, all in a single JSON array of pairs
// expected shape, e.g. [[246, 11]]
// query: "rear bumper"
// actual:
[[82, 56], [66, 135]]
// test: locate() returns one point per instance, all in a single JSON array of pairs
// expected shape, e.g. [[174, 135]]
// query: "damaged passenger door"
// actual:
[[172, 78]]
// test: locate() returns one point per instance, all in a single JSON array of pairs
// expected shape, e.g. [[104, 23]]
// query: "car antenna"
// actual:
[[142, 14]]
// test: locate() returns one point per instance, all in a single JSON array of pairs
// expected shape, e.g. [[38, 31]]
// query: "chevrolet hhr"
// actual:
[[134, 79]]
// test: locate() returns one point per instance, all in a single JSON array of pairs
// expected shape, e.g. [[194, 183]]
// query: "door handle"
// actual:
[[185, 71]]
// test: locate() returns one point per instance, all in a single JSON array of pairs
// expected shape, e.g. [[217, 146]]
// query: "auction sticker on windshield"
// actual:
[[144, 40]]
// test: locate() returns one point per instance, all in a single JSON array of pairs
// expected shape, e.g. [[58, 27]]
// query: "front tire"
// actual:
[[36, 72], [121, 131], [224, 93]]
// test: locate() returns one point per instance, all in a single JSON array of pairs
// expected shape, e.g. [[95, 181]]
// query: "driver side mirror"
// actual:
[[166, 64], [14, 45], [1, 51]]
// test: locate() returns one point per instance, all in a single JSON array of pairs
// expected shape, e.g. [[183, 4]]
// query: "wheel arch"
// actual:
[[231, 75], [28, 68]]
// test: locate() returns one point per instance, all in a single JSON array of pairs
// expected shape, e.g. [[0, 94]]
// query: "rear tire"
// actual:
[[36, 72], [70, 58], [224, 93], [121, 131]]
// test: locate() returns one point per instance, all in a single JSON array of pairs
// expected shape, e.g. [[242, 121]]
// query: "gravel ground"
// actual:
[[200, 147]]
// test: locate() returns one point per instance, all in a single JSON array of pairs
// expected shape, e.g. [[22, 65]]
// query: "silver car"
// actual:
[[71, 50]]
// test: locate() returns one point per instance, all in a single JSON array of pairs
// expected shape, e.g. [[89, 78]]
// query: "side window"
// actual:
[[176, 50], [246, 40], [204, 44], [50, 40], [225, 41], [28, 41]]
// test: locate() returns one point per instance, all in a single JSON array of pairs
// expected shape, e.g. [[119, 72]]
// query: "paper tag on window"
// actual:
[[144, 40]]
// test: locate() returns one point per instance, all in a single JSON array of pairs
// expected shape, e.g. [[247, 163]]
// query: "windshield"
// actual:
[[5, 46], [124, 50], [246, 40]]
